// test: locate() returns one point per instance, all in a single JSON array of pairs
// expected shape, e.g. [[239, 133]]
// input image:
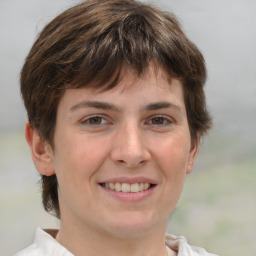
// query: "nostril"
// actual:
[[130, 158], [121, 161], [130, 164]]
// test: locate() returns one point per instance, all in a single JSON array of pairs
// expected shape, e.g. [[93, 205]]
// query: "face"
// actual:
[[121, 156]]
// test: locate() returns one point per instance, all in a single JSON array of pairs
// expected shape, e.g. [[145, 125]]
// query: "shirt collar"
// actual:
[[49, 245]]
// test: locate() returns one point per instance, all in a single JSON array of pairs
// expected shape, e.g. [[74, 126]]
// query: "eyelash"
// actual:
[[87, 120], [165, 120]]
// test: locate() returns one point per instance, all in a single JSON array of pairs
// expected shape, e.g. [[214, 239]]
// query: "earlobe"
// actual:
[[192, 156], [41, 151]]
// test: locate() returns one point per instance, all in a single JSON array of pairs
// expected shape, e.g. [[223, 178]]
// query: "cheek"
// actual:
[[77, 158], [172, 163], [174, 154]]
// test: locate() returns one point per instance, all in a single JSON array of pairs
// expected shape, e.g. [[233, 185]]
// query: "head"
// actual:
[[89, 46]]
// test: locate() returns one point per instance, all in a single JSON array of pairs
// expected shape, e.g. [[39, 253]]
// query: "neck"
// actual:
[[87, 241]]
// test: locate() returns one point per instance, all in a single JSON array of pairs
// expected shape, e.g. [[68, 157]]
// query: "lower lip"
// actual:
[[132, 197]]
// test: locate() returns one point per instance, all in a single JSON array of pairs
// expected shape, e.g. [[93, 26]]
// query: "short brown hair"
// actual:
[[89, 45]]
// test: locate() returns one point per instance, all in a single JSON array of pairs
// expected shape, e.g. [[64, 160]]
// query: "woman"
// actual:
[[116, 109]]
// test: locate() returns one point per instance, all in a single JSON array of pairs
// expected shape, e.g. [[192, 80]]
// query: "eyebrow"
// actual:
[[161, 105], [94, 104], [109, 106]]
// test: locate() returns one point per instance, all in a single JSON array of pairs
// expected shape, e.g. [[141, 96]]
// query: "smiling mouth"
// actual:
[[127, 188]]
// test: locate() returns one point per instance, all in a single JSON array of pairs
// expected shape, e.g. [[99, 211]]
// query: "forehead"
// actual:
[[153, 85]]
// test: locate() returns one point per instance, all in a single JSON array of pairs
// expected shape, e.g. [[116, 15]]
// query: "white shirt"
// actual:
[[45, 245]]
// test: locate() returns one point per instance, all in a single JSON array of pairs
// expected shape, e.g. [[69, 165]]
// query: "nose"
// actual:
[[129, 147]]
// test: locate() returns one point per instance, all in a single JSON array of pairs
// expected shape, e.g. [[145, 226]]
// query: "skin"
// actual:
[[135, 131]]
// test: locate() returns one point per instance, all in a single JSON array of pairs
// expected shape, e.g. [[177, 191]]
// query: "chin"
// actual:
[[134, 225]]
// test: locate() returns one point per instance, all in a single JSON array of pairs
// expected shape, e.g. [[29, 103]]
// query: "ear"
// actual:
[[192, 155], [41, 151]]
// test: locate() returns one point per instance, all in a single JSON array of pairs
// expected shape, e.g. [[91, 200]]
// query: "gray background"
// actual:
[[219, 215]]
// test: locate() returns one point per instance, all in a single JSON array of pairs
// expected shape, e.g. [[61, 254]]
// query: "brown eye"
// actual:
[[96, 120], [158, 120]]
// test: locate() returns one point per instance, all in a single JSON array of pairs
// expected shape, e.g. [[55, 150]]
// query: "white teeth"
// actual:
[[118, 187], [141, 186], [111, 186], [146, 186], [135, 188], [126, 187]]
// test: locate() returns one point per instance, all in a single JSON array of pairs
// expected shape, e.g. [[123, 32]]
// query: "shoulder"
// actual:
[[44, 244], [180, 245], [36, 247], [29, 251]]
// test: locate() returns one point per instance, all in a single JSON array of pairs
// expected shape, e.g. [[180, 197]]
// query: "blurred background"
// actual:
[[218, 207]]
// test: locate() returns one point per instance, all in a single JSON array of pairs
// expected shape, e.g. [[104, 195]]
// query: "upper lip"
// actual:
[[130, 180]]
